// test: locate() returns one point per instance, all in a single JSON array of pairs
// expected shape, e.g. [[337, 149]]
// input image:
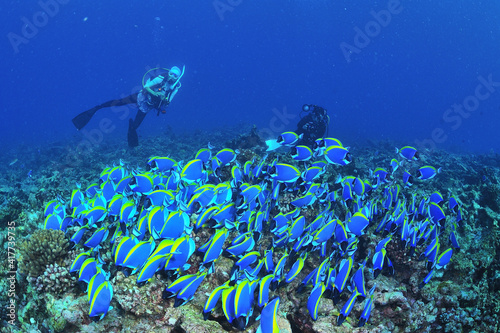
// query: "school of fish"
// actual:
[[151, 216]]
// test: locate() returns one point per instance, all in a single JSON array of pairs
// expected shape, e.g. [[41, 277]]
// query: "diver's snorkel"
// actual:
[[183, 67]]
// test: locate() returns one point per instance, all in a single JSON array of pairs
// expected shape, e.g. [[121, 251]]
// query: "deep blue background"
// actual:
[[262, 55]]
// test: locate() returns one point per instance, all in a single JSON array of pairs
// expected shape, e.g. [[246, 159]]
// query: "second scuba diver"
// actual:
[[312, 126]]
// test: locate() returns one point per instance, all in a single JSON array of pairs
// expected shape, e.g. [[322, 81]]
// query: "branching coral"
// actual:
[[45, 247], [55, 279]]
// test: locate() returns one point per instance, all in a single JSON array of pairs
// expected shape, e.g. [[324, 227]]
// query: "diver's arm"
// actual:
[[151, 83]]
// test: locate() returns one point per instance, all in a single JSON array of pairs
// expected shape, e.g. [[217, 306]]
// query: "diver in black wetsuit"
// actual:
[[314, 125], [157, 93]]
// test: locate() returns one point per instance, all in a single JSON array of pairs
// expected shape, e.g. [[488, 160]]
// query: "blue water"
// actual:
[[249, 61]]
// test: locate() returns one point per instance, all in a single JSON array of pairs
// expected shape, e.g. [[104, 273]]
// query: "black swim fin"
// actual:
[[133, 139], [83, 118]]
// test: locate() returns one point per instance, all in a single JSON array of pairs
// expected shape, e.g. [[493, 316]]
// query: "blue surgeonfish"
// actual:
[[301, 153], [77, 198], [426, 280], [453, 237], [187, 293], [142, 183], [127, 211], [193, 171], [228, 303], [150, 267], [94, 215], [407, 179], [246, 260], [289, 138], [77, 236], [178, 284], [264, 284], [378, 261], [243, 299], [98, 278], [408, 153], [214, 248], [77, 263], [358, 279], [295, 269], [213, 298], [88, 270], [365, 315], [100, 302], [226, 156], [338, 155], [325, 233], [268, 319], [240, 244], [436, 197], [346, 309], [132, 254], [427, 172], [444, 258], [357, 224], [453, 204], [99, 235], [181, 250], [380, 174], [204, 154], [436, 213], [394, 165], [53, 206], [431, 253], [314, 300], [312, 173], [163, 164], [284, 173], [54, 221], [205, 216], [341, 278]]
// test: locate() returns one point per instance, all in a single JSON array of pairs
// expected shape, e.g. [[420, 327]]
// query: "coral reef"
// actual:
[[146, 300], [45, 247], [55, 280]]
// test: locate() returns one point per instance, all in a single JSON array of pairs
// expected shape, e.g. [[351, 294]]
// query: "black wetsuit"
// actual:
[[313, 126], [130, 99]]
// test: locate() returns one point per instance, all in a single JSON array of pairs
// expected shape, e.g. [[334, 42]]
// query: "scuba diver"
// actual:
[[309, 128], [157, 93], [312, 126]]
